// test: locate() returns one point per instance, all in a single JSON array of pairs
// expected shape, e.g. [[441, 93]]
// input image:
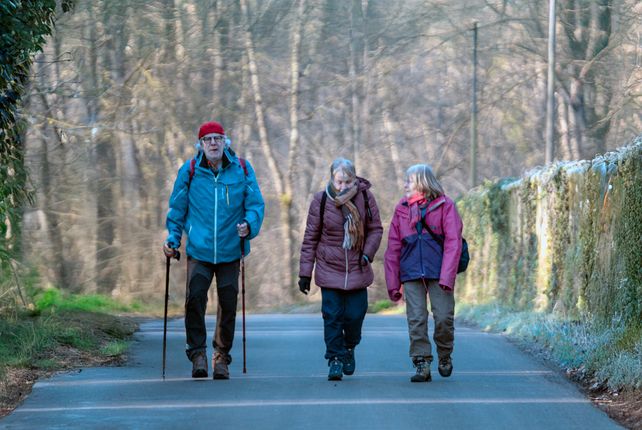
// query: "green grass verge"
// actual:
[[39, 340], [55, 298], [608, 355], [114, 348], [386, 307]]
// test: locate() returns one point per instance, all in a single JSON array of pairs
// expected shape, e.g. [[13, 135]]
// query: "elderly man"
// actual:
[[217, 202]]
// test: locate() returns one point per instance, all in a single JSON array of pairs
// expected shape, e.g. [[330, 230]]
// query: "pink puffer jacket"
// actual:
[[337, 267]]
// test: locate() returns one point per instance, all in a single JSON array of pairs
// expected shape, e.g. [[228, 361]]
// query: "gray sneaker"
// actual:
[[423, 372]]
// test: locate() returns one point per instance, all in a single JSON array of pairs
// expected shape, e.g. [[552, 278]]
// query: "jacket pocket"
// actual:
[[196, 237]]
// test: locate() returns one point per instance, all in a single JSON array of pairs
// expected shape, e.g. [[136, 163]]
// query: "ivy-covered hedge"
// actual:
[[24, 25], [565, 238]]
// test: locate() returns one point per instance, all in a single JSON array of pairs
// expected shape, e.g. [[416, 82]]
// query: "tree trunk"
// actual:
[[366, 71], [218, 54], [587, 27], [390, 132], [106, 265], [356, 50], [287, 217], [276, 175], [51, 205]]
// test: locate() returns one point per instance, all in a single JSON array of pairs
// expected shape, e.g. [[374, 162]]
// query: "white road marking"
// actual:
[[305, 402]]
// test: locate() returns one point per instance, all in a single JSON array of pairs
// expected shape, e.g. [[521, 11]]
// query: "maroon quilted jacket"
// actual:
[[337, 267]]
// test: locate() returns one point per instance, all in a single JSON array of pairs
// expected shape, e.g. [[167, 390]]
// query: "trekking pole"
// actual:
[[243, 297], [177, 255]]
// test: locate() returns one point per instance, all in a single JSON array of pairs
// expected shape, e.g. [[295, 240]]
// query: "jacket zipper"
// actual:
[[421, 254], [215, 218], [345, 284], [421, 257]]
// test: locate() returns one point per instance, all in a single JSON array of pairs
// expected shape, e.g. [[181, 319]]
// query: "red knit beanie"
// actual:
[[210, 127]]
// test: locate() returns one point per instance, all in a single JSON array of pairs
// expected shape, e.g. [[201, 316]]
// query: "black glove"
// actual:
[[304, 284]]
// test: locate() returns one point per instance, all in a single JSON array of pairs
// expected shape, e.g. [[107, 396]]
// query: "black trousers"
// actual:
[[343, 313], [199, 278]]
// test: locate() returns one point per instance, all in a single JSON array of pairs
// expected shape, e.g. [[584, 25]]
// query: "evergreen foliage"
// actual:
[[24, 26]]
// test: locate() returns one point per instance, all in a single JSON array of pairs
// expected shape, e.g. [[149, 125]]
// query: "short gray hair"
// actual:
[[344, 165]]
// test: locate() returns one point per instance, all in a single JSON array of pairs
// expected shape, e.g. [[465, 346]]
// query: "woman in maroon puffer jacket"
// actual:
[[342, 235]]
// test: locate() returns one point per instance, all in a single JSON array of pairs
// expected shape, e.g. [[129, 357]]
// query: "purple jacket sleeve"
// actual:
[[391, 259], [452, 227], [311, 238]]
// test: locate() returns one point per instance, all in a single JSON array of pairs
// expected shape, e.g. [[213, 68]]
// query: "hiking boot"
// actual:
[[199, 365], [336, 369], [219, 363], [349, 363], [445, 367], [423, 372]]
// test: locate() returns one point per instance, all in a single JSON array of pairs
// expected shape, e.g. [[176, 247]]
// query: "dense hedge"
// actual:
[[565, 238], [24, 25]]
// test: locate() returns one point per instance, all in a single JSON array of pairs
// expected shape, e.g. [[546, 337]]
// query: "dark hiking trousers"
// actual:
[[199, 278], [343, 314]]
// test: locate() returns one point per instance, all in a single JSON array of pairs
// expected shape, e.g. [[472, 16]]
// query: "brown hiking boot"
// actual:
[[219, 363], [423, 372], [445, 366], [199, 365]]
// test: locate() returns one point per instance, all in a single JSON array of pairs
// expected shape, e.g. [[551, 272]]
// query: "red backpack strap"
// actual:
[[243, 165], [192, 167]]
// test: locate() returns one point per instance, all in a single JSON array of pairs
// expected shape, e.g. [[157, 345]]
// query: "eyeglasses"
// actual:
[[211, 139]]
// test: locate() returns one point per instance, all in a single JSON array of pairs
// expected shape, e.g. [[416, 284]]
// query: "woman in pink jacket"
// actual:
[[342, 235], [421, 261]]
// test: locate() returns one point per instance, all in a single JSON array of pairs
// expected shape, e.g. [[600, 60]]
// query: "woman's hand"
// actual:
[[395, 295], [304, 284]]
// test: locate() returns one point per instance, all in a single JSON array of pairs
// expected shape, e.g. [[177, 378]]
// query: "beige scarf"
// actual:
[[352, 223]]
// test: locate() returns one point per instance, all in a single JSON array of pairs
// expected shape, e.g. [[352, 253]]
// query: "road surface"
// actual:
[[494, 386]]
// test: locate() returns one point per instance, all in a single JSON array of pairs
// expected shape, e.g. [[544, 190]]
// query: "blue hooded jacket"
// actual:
[[209, 208]]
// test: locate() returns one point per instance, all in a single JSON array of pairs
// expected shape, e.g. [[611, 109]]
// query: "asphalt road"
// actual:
[[494, 386]]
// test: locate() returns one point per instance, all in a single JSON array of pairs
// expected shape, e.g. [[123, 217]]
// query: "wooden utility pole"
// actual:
[[473, 118], [550, 88]]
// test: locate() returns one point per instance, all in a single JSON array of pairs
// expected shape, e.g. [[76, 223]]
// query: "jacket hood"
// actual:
[[229, 156], [364, 184]]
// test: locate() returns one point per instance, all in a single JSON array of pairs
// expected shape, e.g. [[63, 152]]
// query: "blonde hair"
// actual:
[[425, 181], [344, 165]]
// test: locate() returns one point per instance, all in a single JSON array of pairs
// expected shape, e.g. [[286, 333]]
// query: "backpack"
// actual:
[[464, 258], [192, 168]]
